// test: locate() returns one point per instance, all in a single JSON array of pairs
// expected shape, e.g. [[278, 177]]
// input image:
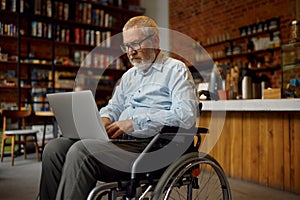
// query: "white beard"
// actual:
[[144, 65]]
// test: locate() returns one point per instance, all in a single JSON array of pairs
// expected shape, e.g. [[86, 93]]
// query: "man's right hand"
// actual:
[[106, 121]]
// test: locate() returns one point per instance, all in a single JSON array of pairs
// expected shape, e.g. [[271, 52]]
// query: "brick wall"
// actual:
[[205, 20]]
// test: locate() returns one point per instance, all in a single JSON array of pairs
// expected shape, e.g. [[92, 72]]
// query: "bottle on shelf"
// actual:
[[216, 82], [246, 84], [295, 31], [250, 45]]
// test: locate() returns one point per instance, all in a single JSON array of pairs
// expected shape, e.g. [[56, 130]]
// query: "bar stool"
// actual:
[[22, 133]]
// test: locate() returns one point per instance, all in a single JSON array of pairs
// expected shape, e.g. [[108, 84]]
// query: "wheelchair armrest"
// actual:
[[169, 129], [170, 132], [202, 130], [172, 129]]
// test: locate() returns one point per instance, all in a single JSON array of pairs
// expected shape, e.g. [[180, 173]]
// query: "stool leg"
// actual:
[[24, 146], [2, 147], [36, 147], [43, 140], [12, 150]]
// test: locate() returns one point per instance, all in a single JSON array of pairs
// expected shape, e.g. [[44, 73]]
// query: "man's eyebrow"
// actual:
[[135, 41]]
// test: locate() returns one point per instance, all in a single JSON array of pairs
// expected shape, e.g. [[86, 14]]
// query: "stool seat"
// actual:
[[21, 132]]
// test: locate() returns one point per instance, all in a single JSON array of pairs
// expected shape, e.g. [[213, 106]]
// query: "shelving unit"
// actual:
[[229, 50], [255, 53], [44, 43]]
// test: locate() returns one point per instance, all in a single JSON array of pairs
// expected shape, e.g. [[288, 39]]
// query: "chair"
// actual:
[[194, 175], [23, 133]]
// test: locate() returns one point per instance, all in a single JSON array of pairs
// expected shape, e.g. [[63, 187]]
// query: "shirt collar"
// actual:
[[159, 61]]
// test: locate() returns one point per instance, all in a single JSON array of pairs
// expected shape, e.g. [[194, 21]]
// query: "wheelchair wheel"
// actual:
[[193, 176]]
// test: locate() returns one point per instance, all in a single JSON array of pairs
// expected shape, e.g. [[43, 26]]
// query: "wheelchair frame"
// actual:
[[183, 179]]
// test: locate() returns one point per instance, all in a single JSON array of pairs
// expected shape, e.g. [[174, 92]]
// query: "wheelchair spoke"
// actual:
[[208, 182]]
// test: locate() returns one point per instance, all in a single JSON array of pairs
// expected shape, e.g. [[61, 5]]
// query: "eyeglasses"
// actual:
[[134, 45]]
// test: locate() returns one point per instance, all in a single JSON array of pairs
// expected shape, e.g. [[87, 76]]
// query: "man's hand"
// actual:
[[118, 128], [106, 121]]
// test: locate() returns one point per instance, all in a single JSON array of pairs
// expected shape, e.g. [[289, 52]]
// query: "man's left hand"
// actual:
[[120, 127]]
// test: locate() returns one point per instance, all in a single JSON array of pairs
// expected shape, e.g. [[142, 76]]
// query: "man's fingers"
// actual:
[[118, 128], [111, 129], [117, 133]]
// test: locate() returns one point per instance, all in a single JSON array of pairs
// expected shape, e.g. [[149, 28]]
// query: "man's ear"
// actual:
[[156, 41]]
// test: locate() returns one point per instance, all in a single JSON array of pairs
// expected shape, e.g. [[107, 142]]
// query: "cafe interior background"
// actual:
[[254, 46]]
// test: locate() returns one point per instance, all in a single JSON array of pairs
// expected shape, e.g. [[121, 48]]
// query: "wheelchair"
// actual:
[[194, 175]]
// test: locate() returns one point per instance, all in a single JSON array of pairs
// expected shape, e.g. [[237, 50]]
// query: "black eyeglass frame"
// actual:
[[134, 45]]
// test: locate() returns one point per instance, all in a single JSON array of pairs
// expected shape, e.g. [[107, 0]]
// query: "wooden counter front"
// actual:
[[259, 146]]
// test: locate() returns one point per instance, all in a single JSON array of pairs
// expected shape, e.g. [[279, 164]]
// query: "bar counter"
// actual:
[[257, 140], [253, 105]]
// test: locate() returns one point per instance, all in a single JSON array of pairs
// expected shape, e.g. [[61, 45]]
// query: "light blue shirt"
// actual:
[[164, 95]]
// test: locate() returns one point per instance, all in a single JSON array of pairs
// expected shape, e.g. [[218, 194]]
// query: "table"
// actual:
[[47, 114]]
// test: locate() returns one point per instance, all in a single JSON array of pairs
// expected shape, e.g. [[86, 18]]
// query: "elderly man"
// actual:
[[157, 91]]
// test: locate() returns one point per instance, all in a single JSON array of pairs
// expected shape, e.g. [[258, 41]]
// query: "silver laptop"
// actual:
[[77, 115]]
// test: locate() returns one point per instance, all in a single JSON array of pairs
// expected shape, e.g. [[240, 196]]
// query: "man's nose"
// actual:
[[131, 51]]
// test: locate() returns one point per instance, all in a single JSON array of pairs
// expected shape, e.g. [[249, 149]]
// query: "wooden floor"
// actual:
[[25, 175], [250, 191]]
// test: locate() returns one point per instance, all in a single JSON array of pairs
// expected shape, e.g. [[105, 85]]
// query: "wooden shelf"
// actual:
[[8, 62], [14, 87], [241, 38], [244, 54]]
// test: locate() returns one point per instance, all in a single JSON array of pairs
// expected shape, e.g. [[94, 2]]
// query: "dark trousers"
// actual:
[[71, 168]]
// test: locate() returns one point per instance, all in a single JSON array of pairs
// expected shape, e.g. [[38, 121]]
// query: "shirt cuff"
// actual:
[[140, 124]]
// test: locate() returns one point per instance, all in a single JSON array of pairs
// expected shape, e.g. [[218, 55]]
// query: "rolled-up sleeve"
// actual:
[[115, 105]]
